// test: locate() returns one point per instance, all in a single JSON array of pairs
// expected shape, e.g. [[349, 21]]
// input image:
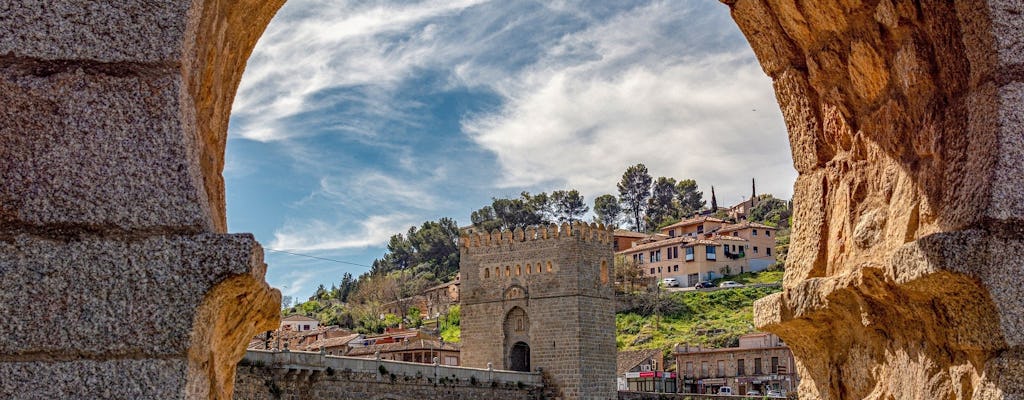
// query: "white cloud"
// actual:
[[317, 45], [313, 235], [625, 92]]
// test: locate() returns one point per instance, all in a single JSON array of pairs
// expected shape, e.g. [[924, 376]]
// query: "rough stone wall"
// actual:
[[117, 279], [255, 383], [311, 376], [906, 120], [570, 308]]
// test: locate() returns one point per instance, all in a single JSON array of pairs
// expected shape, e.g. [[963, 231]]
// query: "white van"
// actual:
[[725, 390]]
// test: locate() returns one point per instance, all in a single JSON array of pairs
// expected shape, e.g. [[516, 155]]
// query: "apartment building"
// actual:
[[761, 362], [703, 248]]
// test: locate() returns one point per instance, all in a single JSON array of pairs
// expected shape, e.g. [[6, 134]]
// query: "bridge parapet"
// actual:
[[311, 375]]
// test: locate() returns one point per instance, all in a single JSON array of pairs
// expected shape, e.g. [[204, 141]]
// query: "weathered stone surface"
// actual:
[[60, 296], [547, 292], [905, 120], [116, 157], [111, 149], [198, 298], [94, 379], [103, 31]]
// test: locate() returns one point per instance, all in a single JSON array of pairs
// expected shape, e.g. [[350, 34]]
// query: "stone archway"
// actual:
[[905, 120]]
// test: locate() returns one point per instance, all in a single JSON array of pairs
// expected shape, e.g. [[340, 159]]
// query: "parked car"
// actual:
[[753, 393], [725, 390], [703, 285], [775, 394], [670, 282], [729, 284]]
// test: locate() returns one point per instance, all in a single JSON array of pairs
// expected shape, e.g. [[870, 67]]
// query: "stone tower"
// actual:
[[542, 298]]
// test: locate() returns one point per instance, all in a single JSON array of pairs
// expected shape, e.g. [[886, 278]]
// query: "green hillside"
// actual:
[[709, 318]]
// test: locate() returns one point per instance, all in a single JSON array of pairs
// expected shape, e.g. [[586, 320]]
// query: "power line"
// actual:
[[319, 258]]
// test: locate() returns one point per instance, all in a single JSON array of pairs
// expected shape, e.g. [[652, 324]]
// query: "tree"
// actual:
[[569, 205], [691, 200], [634, 190], [400, 252], [770, 211], [414, 317], [662, 205], [608, 210], [346, 287], [486, 219]]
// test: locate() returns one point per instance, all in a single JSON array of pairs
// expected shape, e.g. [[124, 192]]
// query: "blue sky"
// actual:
[[357, 119]]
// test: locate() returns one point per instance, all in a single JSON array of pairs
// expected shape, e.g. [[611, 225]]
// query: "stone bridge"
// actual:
[[268, 375]]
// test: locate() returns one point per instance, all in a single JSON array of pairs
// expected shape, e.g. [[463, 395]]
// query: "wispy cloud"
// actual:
[[688, 103], [314, 235], [317, 45]]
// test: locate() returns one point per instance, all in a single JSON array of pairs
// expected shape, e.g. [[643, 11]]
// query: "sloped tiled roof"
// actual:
[[625, 233], [742, 225], [421, 344], [692, 221], [627, 360], [332, 342], [297, 317]]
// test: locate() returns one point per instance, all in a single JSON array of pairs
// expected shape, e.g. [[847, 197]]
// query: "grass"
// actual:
[[712, 319], [748, 278]]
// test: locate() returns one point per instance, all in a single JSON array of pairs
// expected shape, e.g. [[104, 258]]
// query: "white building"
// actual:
[[298, 323]]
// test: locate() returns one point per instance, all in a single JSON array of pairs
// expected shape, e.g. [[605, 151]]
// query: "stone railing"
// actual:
[[309, 362]]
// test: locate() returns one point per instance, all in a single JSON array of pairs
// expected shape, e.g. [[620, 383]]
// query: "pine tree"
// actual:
[[714, 201], [634, 190]]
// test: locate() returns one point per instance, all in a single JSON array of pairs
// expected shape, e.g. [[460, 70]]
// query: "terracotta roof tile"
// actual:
[[627, 360]]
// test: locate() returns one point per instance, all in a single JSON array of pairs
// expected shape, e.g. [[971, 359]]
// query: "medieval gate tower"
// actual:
[[542, 298]]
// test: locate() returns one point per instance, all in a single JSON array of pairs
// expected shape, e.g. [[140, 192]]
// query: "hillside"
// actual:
[[710, 318]]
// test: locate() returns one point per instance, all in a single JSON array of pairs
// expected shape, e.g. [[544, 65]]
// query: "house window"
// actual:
[[736, 233], [671, 233], [651, 255], [689, 369], [450, 360], [767, 232], [652, 271], [757, 366], [305, 327], [689, 254], [721, 368], [676, 251], [703, 369], [755, 249], [657, 255], [709, 253], [775, 365], [659, 270], [768, 250], [740, 368], [675, 268], [755, 232]]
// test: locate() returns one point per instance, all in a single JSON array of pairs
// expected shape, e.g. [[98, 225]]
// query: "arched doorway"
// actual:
[[519, 357]]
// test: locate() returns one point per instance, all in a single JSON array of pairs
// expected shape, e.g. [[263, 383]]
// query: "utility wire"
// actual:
[[319, 258]]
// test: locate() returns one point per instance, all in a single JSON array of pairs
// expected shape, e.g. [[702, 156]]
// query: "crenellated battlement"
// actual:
[[591, 232]]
